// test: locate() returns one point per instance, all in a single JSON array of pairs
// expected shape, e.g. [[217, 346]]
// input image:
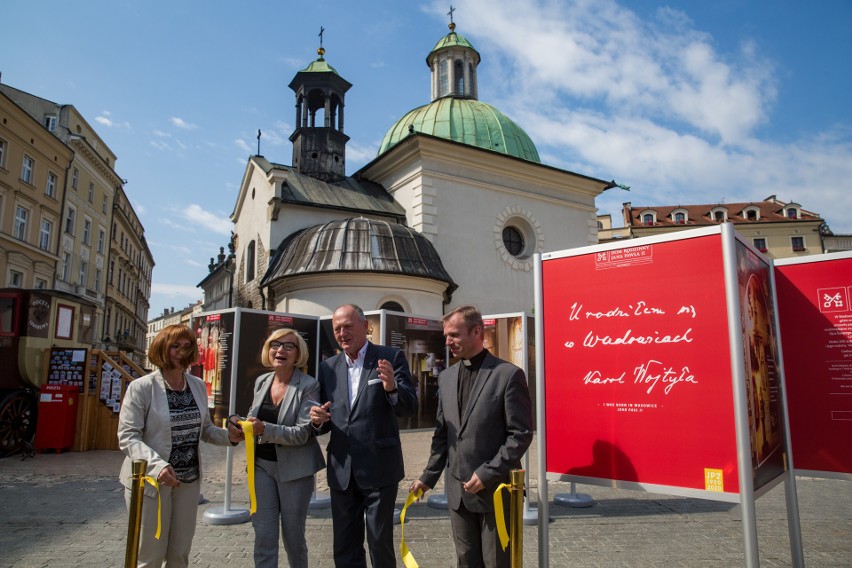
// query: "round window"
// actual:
[[513, 240]]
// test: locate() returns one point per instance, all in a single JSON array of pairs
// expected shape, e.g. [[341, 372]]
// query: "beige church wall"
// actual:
[[487, 274], [320, 294]]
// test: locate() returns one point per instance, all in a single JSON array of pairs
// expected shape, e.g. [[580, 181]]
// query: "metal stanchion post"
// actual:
[[226, 515], [134, 521], [516, 520]]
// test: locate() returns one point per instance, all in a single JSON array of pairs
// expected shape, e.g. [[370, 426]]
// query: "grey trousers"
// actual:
[[179, 507], [476, 540], [284, 504]]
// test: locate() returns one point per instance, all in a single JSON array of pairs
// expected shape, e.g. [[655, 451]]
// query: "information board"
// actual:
[[815, 313], [637, 363], [67, 366]]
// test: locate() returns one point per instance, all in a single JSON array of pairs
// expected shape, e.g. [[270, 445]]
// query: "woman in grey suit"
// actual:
[[163, 417], [287, 455]]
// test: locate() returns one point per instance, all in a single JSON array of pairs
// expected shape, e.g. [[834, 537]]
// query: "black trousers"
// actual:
[[350, 509]]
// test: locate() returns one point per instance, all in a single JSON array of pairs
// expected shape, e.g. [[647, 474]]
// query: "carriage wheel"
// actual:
[[17, 422]]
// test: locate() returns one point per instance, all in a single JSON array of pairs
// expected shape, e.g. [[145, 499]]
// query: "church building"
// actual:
[[450, 211]]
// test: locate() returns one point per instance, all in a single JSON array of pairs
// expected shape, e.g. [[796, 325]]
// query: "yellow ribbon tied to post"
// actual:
[[407, 557], [152, 481], [499, 516], [248, 430]]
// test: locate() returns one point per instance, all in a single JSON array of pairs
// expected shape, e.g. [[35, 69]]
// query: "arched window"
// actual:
[[443, 78], [471, 80], [250, 262], [458, 72], [648, 219], [680, 218], [392, 306]]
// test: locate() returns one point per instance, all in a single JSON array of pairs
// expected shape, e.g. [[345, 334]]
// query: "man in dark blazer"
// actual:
[[364, 390], [484, 426]]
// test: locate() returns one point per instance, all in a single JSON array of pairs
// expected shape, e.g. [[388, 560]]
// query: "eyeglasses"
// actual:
[[287, 345]]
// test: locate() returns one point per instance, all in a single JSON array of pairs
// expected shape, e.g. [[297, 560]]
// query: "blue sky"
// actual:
[[686, 102]]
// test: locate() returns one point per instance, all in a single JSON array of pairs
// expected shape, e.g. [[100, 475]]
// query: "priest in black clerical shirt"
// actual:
[[484, 426]]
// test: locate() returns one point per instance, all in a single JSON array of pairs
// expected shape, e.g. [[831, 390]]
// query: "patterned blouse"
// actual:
[[186, 431]]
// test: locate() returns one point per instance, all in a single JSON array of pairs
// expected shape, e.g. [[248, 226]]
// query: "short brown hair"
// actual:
[[158, 352], [278, 334], [470, 314]]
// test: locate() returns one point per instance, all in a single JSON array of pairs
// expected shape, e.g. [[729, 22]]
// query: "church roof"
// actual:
[[320, 65], [452, 39], [468, 121], [357, 245], [353, 194]]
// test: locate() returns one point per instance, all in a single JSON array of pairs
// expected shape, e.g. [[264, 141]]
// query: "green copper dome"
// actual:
[[468, 121], [320, 66], [453, 39]]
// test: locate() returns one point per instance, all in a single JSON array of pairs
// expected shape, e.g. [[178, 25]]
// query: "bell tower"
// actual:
[[319, 144]]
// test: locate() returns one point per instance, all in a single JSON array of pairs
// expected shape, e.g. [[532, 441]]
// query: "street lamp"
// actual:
[[106, 341]]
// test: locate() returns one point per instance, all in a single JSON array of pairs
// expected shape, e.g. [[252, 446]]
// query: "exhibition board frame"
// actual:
[[611, 404], [237, 362], [815, 326]]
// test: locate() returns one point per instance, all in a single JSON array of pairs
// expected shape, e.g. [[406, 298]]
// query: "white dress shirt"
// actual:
[[355, 367]]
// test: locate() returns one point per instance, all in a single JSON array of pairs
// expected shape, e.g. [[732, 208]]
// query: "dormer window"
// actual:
[[679, 217], [649, 218], [751, 214], [719, 215], [792, 213]]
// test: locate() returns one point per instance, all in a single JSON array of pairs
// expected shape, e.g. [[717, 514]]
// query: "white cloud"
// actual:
[[195, 214], [653, 103], [243, 145], [104, 120], [358, 154], [181, 123]]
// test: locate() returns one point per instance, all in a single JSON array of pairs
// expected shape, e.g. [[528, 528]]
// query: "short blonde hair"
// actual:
[[277, 335], [158, 352]]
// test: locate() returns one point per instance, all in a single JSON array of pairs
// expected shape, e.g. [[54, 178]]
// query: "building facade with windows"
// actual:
[[777, 228], [87, 195], [33, 167], [128, 280], [450, 211]]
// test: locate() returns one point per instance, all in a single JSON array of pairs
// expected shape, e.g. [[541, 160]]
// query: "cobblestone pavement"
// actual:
[[68, 510]]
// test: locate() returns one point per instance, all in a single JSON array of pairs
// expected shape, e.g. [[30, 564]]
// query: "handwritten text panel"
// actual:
[[637, 367]]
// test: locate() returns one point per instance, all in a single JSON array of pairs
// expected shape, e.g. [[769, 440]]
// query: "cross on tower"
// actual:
[[450, 13], [322, 30]]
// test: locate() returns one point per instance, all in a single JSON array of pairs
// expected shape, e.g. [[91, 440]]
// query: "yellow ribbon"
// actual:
[[248, 430], [499, 517], [152, 481], [407, 557]]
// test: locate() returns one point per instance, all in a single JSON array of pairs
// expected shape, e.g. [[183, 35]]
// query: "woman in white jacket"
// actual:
[[163, 417]]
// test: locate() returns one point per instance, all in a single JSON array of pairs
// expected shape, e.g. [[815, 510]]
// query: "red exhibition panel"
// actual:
[[637, 366], [816, 335]]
